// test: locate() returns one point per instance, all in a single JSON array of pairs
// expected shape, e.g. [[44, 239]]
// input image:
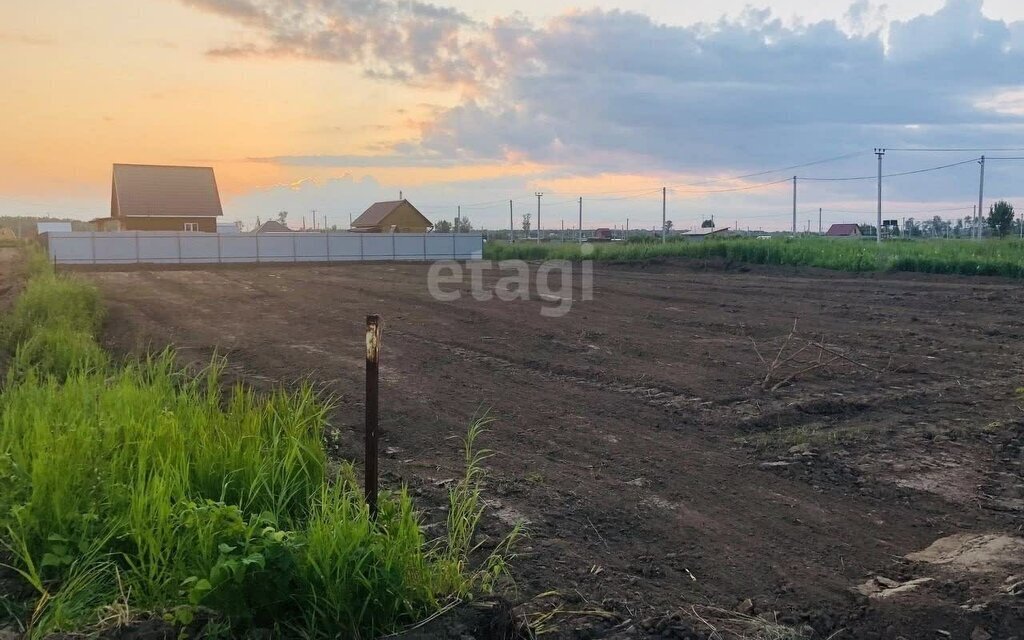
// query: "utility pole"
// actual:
[[539, 194], [794, 206], [981, 197], [664, 201], [349, 219], [819, 221], [458, 215], [563, 230], [511, 225], [878, 229], [627, 230], [581, 220]]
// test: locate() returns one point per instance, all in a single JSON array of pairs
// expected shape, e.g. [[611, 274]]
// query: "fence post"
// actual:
[[137, 256], [92, 244], [178, 236], [362, 257], [328, 237], [257, 236], [219, 251], [373, 334]]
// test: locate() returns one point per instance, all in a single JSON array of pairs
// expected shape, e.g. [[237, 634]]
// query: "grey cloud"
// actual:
[[740, 93], [394, 39], [616, 91]]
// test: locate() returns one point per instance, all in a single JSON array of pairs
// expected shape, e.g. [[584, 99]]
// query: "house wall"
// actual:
[[166, 223]]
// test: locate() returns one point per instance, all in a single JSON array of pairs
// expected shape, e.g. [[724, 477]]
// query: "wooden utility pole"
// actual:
[[581, 220], [539, 194], [664, 201], [373, 333]]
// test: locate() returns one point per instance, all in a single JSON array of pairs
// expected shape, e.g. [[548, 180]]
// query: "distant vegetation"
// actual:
[[965, 257], [25, 226], [137, 489]]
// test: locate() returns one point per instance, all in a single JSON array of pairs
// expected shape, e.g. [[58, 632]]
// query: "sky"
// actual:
[[330, 105]]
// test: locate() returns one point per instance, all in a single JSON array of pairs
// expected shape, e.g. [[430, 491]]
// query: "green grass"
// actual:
[[964, 257], [139, 488]]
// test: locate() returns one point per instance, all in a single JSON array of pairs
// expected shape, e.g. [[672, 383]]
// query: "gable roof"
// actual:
[[375, 215], [272, 226], [156, 190], [843, 230]]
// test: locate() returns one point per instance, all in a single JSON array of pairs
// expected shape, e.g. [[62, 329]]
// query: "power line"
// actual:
[[768, 171], [746, 188], [890, 175], [961, 149]]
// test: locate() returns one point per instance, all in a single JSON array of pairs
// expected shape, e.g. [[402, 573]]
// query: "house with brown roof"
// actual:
[[272, 226], [162, 198], [396, 216], [843, 231]]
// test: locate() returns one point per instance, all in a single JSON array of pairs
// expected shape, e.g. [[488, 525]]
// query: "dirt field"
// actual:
[[662, 479]]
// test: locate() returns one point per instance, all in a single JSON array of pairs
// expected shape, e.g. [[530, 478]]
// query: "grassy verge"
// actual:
[[964, 257], [136, 489]]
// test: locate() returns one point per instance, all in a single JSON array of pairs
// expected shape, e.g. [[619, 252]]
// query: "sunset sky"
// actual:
[[332, 104]]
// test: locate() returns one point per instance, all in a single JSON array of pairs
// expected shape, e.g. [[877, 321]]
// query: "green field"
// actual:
[[134, 489], [964, 257]]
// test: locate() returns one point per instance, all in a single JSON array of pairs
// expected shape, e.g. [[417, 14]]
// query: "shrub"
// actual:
[[144, 483], [53, 301], [57, 351]]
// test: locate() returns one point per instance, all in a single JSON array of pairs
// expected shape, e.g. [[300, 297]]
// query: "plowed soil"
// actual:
[[664, 480]]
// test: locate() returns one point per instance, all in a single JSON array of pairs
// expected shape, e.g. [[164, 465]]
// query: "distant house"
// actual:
[[227, 227], [53, 227], [162, 198], [843, 231], [396, 216], [703, 233], [272, 226]]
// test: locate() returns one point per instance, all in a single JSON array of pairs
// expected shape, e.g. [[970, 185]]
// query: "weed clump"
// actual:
[[140, 487]]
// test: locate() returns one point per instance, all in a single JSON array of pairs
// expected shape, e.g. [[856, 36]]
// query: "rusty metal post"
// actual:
[[373, 331]]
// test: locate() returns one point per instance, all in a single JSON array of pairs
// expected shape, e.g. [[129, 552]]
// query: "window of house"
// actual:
[[191, 226]]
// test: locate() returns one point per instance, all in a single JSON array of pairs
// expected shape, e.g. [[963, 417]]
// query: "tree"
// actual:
[[869, 229], [282, 216], [463, 225], [526, 223], [668, 226], [1000, 218], [442, 226], [707, 224]]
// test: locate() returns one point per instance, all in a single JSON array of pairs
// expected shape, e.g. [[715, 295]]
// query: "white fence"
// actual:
[[161, 247]]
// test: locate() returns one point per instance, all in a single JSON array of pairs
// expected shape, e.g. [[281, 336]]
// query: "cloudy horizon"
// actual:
[[332, 104]]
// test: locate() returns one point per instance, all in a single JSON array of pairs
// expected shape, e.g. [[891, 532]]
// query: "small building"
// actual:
[[53, 227], [843, 231], [396, 216], [272, 226], [162, 198], [703, 233], [227, 227]]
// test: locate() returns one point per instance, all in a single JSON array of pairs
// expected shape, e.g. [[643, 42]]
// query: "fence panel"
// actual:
[[161, 247]]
